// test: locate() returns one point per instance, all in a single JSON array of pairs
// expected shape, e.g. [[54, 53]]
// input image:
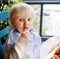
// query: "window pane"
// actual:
[[51, 19], [36, 23]]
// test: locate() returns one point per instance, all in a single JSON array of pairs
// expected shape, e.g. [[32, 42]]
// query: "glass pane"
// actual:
[[36, 23], [51, 19]]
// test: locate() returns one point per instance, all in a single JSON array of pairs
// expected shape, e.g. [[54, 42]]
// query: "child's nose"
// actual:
[[25, 22]]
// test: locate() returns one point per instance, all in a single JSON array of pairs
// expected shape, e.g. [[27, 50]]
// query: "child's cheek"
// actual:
[[31, 27]]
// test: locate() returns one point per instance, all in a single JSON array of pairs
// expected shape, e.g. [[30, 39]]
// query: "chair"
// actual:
[[3, 32]]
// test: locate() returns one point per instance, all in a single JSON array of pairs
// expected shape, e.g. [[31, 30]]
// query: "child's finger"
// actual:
[[25, 31]]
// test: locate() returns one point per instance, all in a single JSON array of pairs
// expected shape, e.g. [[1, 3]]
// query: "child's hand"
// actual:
[[26, 34]]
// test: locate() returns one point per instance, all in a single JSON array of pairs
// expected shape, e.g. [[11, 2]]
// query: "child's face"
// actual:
[[24, 22]]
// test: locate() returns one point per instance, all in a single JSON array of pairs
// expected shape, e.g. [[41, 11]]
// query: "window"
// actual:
[[36, 23], [51, 19]]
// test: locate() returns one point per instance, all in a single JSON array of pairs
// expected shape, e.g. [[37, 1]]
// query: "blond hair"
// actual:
[[20, 10]]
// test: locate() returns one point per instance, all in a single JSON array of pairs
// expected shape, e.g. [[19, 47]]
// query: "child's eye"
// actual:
[[29, 19], [20, 19]]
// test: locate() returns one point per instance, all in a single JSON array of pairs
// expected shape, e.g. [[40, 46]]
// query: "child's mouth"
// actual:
[[26, 28]]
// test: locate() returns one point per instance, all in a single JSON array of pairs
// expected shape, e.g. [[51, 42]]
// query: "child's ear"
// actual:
[[12, 22]]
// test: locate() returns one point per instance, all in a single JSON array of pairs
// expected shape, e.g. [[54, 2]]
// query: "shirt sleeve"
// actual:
[[12, 39], [10, 42]]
